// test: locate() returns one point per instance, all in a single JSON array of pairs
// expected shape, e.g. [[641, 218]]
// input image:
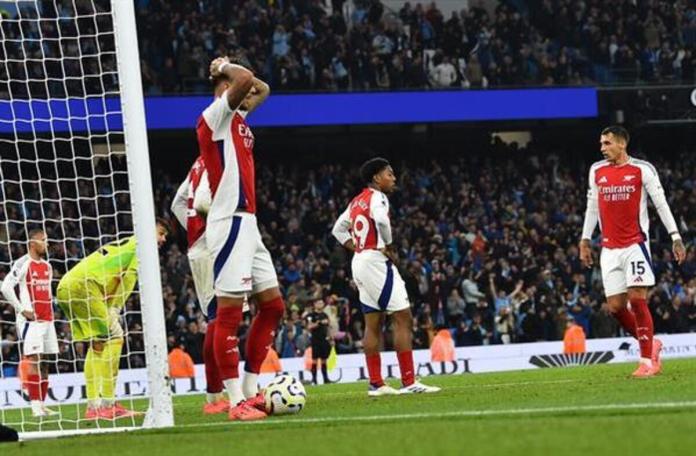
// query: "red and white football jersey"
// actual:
[[226, 144], [183, 202], [32, 278], [366, 221], [619, 193]]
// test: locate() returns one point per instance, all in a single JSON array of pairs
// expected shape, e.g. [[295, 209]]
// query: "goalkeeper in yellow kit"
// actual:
[[92, 295]]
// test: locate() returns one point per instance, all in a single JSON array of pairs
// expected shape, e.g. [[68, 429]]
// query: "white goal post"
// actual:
[[74, 162], [160, 412]]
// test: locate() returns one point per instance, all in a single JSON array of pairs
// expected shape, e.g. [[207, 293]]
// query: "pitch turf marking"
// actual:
[[464, 387], [455, 414]]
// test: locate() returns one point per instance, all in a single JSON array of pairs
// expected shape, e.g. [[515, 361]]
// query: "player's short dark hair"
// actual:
[[618, 131], [164, 223], [373, 166], [34, 232]]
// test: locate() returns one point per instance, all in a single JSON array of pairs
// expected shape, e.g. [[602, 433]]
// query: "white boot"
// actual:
[[418, 388]]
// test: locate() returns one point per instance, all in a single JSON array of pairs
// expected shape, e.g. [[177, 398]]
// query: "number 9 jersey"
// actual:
[[366, 222]]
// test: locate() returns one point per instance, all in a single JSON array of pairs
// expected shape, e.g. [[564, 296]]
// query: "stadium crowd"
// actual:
[[362, 44], [487, 246], [482, 253]]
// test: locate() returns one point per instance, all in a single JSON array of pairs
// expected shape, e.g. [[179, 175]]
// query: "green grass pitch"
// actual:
[[589, 411]]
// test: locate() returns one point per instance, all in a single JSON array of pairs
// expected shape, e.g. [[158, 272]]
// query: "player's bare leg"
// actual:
[[403, 336], [649, 359], [371, 346]]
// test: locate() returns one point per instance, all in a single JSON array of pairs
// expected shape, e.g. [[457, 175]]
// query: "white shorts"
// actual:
[[626, 267], [242, 264], [380, 285], [39, 338], [201, 263]]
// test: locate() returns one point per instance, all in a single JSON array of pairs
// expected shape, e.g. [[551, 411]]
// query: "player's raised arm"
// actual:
[[651, 182], [341, 230], [256, 96], [239, 79], [591, 220]]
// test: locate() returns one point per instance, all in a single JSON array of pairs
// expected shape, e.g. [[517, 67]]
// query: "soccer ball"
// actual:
[[285, 395]]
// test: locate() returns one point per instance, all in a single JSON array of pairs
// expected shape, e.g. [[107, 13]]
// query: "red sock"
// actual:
[[212, 376], [34, 387], [406, 367], [374, 369], [226, 342], [44, 389], [627, 320], [644, 326], [261, 333]]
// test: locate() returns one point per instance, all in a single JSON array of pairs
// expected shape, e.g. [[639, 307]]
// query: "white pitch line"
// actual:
[[464, 387], [455, 414]]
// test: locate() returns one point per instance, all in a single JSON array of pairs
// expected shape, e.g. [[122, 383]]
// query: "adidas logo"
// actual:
[[602, 180], [638, 279], [572, 359]]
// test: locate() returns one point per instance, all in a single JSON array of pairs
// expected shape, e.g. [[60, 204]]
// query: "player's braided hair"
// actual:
[[371, 167], [618, 132]]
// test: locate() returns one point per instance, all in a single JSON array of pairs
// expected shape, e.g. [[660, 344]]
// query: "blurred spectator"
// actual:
[[180, 363], [442, 348], [574, 338]]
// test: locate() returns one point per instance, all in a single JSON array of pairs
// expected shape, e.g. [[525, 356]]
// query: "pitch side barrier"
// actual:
[[70, 388], [294, 110]]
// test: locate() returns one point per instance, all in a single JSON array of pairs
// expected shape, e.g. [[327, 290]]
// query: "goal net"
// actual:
[[73, 155]]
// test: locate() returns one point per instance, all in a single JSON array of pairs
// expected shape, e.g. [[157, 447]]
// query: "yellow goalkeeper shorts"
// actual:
[[84, 306]]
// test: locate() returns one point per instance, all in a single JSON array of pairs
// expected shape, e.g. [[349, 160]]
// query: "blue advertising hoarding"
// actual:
[[95, 114]]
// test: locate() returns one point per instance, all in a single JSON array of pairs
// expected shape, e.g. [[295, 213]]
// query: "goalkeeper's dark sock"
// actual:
[[324, 372], [314, 373]]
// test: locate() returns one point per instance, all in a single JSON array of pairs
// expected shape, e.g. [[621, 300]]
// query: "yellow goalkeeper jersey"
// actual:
[[114, 268]]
